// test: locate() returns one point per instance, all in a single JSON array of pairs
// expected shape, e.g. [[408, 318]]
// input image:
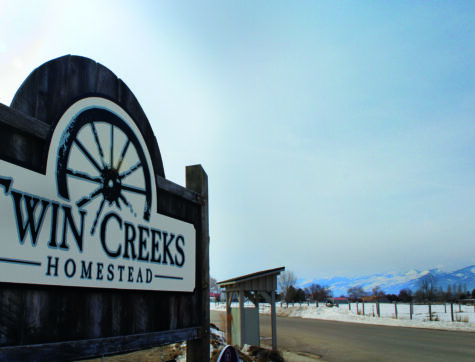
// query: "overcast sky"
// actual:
[[338, 137]]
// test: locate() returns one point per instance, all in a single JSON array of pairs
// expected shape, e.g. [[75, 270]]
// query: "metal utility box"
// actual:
[[251, 333]]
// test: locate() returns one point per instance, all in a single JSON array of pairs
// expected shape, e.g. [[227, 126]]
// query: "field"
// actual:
[[464, 316]]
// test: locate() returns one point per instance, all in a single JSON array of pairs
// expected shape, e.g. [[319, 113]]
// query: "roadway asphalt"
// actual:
[[340, 341]]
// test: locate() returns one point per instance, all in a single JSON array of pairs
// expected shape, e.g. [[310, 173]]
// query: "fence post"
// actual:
[[357, 307], [452, 310], [460, 307], [430, 312], [199, 349], [349, 306], [410, 309], [445, 307], [363, 308], [377, 308], [395, 309]]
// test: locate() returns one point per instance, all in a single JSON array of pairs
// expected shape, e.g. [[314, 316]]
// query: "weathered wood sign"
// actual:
[[89, 221], [99, 253]]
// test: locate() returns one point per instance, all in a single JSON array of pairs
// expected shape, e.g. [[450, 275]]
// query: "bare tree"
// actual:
[[405, 295], [213, 286], [356, 293], [319, 292], [428, 287], [286, 280], [378, 293]]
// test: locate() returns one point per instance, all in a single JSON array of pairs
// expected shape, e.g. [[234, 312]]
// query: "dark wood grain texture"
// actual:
[[66, 351]]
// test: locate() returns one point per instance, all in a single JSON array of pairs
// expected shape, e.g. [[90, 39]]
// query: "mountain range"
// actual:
[[392, 283]]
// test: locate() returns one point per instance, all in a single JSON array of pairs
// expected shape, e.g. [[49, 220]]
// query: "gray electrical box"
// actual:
[[251, 333]]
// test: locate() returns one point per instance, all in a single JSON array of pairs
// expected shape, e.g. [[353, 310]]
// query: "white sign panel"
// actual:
[[91, 220]]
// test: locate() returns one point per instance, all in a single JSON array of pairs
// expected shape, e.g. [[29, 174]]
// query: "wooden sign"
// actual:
[[99, 252], [89, 220]]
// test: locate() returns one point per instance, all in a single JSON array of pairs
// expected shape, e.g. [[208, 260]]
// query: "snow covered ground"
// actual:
[[464, 316]]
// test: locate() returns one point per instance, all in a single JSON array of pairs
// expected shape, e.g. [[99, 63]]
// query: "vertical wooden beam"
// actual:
[[273, 321], [229, 300], [197, 181], [241, 314], [256, 298]]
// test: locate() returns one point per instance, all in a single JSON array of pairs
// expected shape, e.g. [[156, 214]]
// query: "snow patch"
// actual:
[[441, 317]]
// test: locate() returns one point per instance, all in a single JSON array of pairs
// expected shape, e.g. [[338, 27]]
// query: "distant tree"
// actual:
[[427, 287], [473, 293], [405, 295], [448, 296], [378, 293], [286, 280], [299, 296], [356, 293], [439, 295], [392, 298], [319, 292], [213, 287], [290, 294]]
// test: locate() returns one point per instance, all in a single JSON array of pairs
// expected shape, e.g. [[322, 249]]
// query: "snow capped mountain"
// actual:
[[392, 283]]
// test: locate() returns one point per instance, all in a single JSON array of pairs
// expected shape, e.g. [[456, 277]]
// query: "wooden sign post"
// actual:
[[100, 254]]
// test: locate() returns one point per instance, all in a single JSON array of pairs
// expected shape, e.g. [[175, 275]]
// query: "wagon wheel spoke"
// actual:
[[87, 199], [133, 189], [122, 154], [131, 170], [111, 163], [98, 143], [83, 175], [99, 211], [87, 154]]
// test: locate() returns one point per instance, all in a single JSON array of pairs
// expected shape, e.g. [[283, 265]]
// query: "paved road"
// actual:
[[338, 341]]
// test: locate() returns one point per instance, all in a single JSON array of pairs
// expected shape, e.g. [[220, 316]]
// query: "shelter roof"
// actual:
[[262, 280]]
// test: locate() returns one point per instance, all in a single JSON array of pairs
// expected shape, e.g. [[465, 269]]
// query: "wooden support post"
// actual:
[[377, 308], [411, 310], [256, 302], [395, 309], [349, 305], [430, 311], [199, 349], [452, 311], [363, 308], [460, 307], [229, 300], [273, 321], [243, 320], [445, 307]]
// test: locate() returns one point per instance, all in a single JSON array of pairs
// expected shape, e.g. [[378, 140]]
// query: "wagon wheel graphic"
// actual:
[[104, 144]]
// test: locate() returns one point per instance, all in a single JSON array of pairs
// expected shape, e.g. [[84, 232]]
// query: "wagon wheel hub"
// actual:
[[111, 185]]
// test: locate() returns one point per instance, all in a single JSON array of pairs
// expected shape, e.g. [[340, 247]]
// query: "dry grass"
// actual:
[[165, 353], [459, 318]]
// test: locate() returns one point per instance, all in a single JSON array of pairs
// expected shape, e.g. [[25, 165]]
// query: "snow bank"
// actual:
[[441, 316]]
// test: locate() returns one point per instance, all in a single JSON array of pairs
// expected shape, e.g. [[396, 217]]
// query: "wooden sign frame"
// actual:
[[45, 323]]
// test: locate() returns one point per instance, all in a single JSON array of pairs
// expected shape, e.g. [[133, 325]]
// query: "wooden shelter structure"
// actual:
[[251, 286]]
